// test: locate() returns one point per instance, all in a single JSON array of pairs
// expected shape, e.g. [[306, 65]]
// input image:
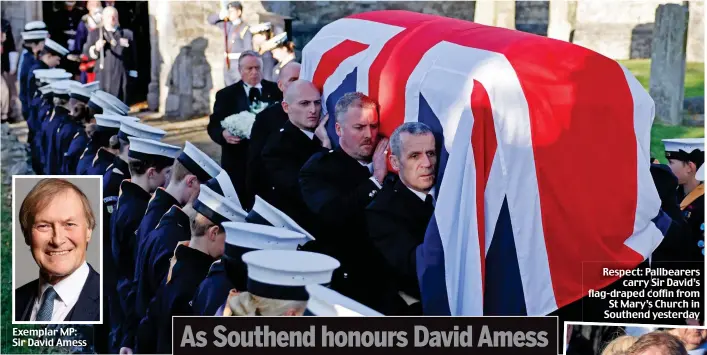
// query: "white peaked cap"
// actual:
[[289, 267], [257, 236], [325, 302]]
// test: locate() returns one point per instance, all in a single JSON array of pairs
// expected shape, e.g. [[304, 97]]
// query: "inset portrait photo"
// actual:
[[57, 249]]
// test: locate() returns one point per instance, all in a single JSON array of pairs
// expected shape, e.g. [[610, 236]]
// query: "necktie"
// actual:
[[429, 203], [47, 307], [253, 95]]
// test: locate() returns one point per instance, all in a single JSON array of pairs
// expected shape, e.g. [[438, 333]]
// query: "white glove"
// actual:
[[223, 14], [13, 56], [132, 73]]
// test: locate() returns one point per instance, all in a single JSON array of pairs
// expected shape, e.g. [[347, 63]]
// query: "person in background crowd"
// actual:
[[9, 58], [262, 32], [397, 219], [89, 23], [114, 50], [232, 100], [282, 50], [238, 39], [150, 165], [287, 150], [62, 28], [686, 158], [276, 282], [33, 37], [189, 266], [657, 343], [337, 186], [268, 121]]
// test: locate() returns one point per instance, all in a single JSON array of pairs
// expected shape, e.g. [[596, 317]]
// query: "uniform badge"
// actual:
[[110, 209]]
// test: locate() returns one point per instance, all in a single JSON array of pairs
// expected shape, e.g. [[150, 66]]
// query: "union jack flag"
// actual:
[[544, 176]]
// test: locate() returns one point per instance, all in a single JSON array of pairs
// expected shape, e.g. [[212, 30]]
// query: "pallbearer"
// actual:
[[325, 302], [276, 282], [189, 265], [230, 272], [97, 105], [686, 157], [173, 228], [150, 164]]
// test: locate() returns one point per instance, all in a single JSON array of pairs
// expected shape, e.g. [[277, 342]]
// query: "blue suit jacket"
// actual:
[[87, 308]]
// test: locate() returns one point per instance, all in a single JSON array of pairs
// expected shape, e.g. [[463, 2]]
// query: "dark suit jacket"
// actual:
[[337, 189], [267, 122], [283, 156], [397, 220], [231, 100], [87, 308]]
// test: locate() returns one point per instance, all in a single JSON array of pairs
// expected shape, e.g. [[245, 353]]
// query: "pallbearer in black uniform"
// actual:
[[98, 104], [325, 302], [81, 117], [107, 126], [288, 149], [276, 282], [113, 48], [234, 99], [172, 229], [189, 266], [33, 37], [150, 164], [230, 272], [397, 219], [686, 157], [266, 122], [238, 39], [337, 186], [191, 168]]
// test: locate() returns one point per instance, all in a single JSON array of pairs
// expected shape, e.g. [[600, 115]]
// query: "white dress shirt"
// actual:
[[247, 88], [309, 134], [67, 290]]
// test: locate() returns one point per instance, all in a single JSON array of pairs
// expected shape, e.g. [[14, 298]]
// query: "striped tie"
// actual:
[[47, 307]]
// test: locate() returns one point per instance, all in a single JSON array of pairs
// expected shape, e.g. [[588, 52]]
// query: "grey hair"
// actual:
[[412, 128], [352, 99], [249, 53]]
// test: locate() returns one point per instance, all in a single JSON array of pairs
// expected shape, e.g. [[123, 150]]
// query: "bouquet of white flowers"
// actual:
[[241, 123]]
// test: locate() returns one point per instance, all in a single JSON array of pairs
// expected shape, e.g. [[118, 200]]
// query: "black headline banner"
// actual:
[[370, 335]]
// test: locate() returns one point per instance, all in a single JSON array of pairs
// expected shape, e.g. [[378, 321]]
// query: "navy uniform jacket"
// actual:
[[153, 261], [337, 189], [28, 61], [50, 132], [87, 308], [39, 114], [231, 100], [71, 155], [283, 156], [101, 161], [693, 208], [212, 292], [67, 131], [190, 266], [86, 157], [397, 221], [32, 84], [132, 202], [268, 121], [159, 204]]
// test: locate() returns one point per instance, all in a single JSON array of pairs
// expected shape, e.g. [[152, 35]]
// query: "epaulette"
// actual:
[[173, 260], [84, 152], [75, 135]]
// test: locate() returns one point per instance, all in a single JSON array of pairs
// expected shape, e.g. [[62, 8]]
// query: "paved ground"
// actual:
[[178, 132]]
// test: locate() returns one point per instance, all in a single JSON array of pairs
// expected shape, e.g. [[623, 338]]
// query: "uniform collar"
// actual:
[[161, 196], [422, 195], [130, 188]]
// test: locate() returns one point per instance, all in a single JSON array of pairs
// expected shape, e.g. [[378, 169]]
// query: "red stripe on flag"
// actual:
[[332, 58], [483, 139]]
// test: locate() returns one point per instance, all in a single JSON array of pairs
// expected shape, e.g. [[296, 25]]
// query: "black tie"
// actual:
[[254, 95], [429, 203]]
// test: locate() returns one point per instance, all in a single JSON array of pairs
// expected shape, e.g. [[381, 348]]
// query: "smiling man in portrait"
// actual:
[[57, 220]]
